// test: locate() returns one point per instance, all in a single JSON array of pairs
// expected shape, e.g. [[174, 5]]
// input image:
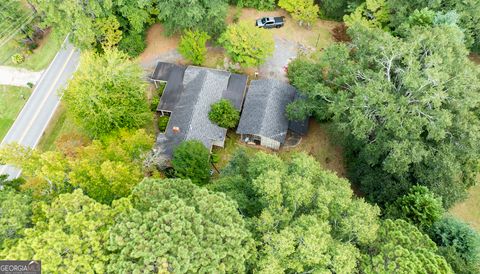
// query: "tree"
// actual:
[[70, 238], [107, 93], [224, 114], [419, 207], [304, 219], [401, 248], [246, 45], [95, 23], [372, 13], [407, 108], [335, 9], [15, 217], [305, 12], [257, 4], [191, 161], [106, 170], [176, 226], [204, 15], [458, 243], [193, 46], [133, 43]]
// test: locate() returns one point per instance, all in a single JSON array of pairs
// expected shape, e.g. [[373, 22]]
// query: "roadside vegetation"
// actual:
[[378, 185], [12, 100]]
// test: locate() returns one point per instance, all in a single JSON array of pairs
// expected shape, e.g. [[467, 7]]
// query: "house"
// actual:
[[186, 99], [263, 120]]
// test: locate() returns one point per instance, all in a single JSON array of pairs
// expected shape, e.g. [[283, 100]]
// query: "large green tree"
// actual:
[[305, 12], [401, 248], [246, 45], [15, 215], [408, 109], [176, 226], [205, 15], [304, 219], [107, 93], [191, 161], [70, 237]]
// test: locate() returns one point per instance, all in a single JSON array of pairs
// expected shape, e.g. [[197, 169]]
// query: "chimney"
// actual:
[[176, 130]]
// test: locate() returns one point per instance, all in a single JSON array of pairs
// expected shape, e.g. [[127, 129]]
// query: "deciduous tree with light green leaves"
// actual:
[[15, 217], [175, 226], [305, 12], [401, 248], [247, 45], [193, 46], [107, 93], [70, 236], [304, 219]]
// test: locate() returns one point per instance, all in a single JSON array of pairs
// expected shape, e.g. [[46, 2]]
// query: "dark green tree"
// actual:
[[224, 114], [458, 243], [191, 161], [408, 109], [175, 226], [419, 207]]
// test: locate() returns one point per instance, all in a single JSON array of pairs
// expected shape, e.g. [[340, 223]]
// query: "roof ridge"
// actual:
[[202, 74], [268, 103]]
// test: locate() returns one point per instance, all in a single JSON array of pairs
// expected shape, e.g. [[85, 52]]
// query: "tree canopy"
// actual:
[[193, 46], [305, 12], [107, 93], [191, 161], [247, 45], [224, 114], [408, 109], [304, 218], [176, 226]]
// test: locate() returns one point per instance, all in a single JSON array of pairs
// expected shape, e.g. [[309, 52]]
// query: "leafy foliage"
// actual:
[[224, 114], [193, 46], [372, 13], [16, 214], [257, 4], [105, 170], [132, 43], [247, 45], [191, 161], [401, 248], [175, 226], [458, 243], [305, 12], [107, 93], [408, 108], [70, 238], [419, 207], [205, 15], [304, 218]]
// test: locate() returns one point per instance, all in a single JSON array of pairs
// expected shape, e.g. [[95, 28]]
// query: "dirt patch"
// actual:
[[318, 35], [319, 144], [41, 42], [475, 58], [158, 43]]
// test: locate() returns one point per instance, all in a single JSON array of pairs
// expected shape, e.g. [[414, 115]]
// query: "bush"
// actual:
[[133, 43], [162, 123], [18, 58], [305, 12], [191, 161], [193, 46], [224, 114]]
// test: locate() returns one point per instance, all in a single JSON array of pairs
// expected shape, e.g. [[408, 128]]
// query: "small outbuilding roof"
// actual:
[[264, 110]]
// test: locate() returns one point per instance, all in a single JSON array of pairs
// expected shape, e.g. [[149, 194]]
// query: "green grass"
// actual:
[[12, 100], [469, 210], [41, 56]]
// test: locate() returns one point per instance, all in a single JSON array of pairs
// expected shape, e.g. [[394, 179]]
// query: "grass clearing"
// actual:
[[12, 100], [469, 210]]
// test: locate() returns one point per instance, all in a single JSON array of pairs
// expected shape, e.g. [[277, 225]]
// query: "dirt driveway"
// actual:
[[274, 67]]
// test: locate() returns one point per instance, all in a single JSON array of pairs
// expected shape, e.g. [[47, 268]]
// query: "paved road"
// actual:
[[32, 121]]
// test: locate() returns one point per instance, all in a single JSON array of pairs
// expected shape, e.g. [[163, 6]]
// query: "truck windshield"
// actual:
[[264, 20]]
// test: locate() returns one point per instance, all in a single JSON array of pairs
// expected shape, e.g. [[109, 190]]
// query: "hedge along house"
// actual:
[[263, 120], [187, 98]]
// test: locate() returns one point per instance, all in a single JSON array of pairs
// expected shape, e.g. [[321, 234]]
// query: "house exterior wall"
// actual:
[[270, 143]]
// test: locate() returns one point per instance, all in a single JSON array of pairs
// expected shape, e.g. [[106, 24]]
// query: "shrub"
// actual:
[[305, 12], [133, 43], [191, 161], [193, 46], [154, 102], [18, 58], [162, 123], [224, 114]]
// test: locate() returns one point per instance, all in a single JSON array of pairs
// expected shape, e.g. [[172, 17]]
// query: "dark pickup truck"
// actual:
[[270, 22]]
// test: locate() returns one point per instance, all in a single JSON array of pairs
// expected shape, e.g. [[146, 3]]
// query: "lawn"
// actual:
[[317, 143], [12, 100], [469, 210], [41, 57]]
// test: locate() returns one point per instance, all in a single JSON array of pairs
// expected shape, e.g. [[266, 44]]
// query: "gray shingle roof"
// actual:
[[264, 109], [201, 88]]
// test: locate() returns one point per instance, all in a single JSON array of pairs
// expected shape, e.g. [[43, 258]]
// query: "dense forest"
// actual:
[[397, 86]]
